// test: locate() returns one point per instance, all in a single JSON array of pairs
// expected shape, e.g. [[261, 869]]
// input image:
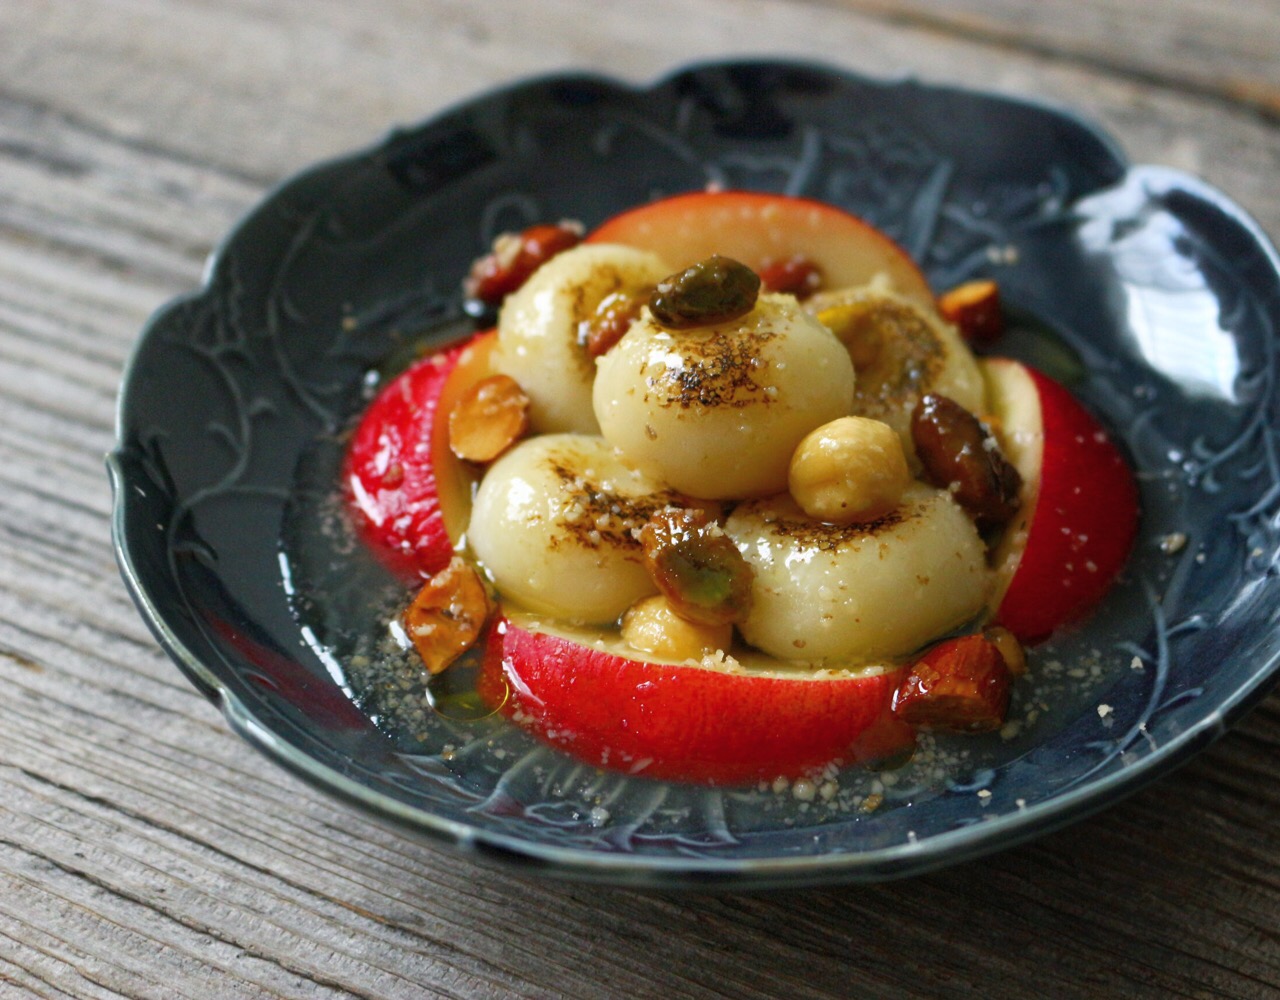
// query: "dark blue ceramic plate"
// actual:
[[1153, 295]]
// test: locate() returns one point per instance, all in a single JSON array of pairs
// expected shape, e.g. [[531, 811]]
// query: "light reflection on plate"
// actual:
[[1172, 314]]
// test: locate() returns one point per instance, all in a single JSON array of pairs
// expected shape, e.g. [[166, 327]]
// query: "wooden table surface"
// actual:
[[146, 851]]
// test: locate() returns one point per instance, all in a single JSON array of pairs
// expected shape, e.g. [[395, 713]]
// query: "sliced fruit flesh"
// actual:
[[474, 365], [1079, 506], [1015, 406], [713, 723]]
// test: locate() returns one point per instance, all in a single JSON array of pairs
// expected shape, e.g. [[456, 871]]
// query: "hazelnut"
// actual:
[[849, 471]]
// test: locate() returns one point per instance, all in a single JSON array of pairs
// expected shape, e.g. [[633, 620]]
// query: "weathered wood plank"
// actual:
[[809, 932], [146, 766], [1194, 46], [243, 824], [262, 88]]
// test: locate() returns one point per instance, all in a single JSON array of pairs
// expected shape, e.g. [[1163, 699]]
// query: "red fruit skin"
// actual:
[[682, 722], [756, 227], [1083, 526], [390, 473]]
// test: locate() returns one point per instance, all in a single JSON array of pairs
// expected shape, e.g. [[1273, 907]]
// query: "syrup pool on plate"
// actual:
[[349, 605]]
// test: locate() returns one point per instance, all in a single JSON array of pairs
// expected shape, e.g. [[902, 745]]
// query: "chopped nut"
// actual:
[[488, 419], [960, 685], [715, 290], [957, 452], [798, 276], [613, 318], [447, 615], [974, 308], [697, 566], [1015, 657], [514, 257], [652, 626]]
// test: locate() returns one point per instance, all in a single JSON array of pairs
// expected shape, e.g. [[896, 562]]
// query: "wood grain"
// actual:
[[146, 851], [1191, 46], [260, 87]]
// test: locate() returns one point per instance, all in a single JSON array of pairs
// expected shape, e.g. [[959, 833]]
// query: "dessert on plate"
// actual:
[[727, 493]]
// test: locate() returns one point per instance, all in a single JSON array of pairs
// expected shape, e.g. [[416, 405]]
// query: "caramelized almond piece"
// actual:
[[974, 308], [959, 454], [514, 257], [697, 566], [447, 615], [961, 685], [613, 318], [489, 418], [1015, 657], [798, 276]]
